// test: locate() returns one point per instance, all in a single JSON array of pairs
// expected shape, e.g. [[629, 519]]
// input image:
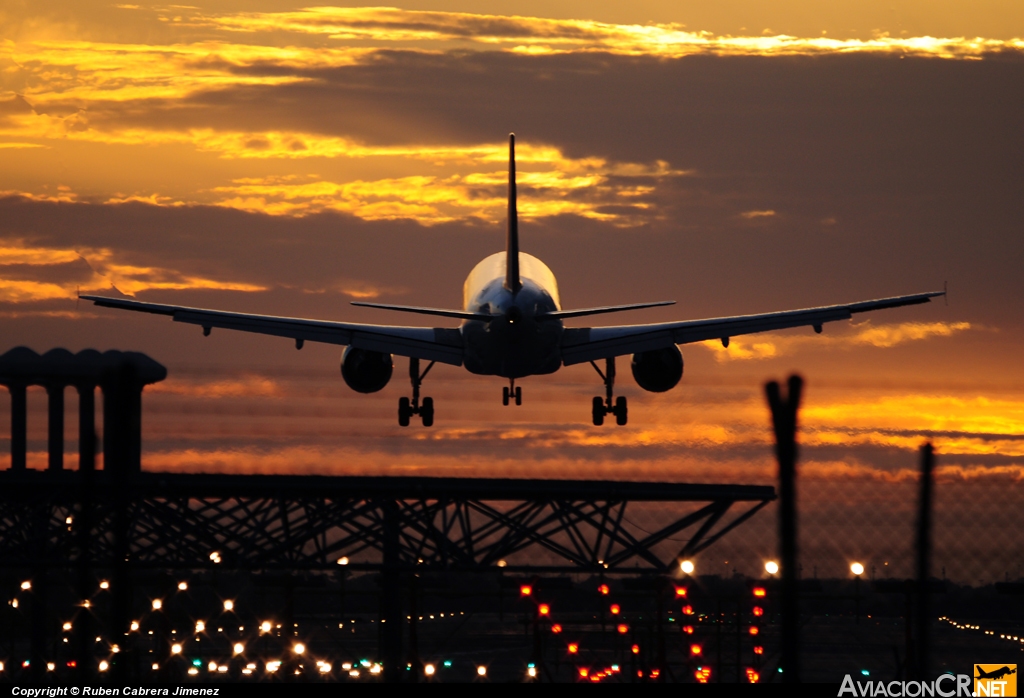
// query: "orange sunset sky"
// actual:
[[736, 157]]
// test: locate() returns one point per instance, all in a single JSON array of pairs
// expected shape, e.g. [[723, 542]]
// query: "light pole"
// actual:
[[858, 570]]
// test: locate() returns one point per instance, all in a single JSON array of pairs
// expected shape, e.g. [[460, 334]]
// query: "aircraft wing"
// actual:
[[590, 344], [431, 344]]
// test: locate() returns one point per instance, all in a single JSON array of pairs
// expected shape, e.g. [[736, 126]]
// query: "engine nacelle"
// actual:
[[659, 370], [366, 371]]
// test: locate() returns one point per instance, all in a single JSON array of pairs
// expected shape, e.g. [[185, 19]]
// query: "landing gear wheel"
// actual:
[[427, 412], [621, 411], [404, 411], [504, 396], [598, 412], [519, 396]]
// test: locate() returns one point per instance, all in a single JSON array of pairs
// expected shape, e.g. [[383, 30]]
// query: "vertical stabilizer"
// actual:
[[512, 281]]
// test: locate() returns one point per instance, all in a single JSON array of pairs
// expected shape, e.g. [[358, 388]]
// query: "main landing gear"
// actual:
[[603, 407], [511, 392], [407, 408]]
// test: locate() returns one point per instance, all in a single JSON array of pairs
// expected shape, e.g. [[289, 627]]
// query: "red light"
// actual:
[[688, 629], [640, 673], [759, 592], [680, 591], [544, 609], [556, 628], [758, 611], [595, 678], [615, 669], [623, 629], [758, 649], [615, 609], [696, 649], [655, 673], [754, 630], [753, 676], [72, 664], [703, 674], [603, 590], [636, 649], [584, 672], [573, 648], [525, 590], [687, 610]]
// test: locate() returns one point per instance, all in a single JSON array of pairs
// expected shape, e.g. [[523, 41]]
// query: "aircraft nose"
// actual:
[[514, 315]]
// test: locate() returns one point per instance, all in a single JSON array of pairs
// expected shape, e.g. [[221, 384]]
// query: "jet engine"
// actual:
[[659, 370], [366, 371]]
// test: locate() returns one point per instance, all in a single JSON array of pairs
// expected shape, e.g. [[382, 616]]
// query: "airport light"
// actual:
[[66, 626], [429, 669], [215, 557], [525, 590], [623, 628], [703, 674], [688, 629], [573, 648], [760, 592], [615, 608], [229, 605], [584, 672], [26, 585], [857, 569], [686, 566], [481, 670], [299, 648], [687, 610], [635, 649], [157, 604], [544, 609], [200, 626], [135, 625], [758, 649], [753, 676], [696, 649], [265, 626], [680, 592], [754, 630], [556, 628], [325, 668], [104, 584], [50, 666], [176, 648], [771, 567], [603, 590], [531, 671], [104, 665], [182, 586], [502, 563], [238, 648], [758, 611], [343, 560]]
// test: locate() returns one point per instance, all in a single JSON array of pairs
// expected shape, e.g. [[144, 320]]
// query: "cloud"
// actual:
[[758, 214]]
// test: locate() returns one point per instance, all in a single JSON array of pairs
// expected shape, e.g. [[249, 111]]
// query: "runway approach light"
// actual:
[[238, 648], [265, 626], [157, 604], [26, 585], [771, 567], [104, 584], [182, 586], [343, 560], [603, 590], [176, 648], [299, 648], [200, 626], [481, 670], [229, 605], [686, 566], [857, 569], [429, 669], [525, 590], [544, 609]]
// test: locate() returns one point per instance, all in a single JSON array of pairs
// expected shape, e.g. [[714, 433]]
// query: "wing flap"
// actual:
[[595, 343], [429, 343]]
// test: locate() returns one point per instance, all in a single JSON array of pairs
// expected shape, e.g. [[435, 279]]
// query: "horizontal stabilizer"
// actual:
[[460, 314], [562, 314]]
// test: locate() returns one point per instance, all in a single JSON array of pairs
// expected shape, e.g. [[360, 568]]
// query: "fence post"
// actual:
[[924, 552], [784, 410]]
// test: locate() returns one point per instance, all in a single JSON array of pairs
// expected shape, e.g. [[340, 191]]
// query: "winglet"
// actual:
[[512, 280]]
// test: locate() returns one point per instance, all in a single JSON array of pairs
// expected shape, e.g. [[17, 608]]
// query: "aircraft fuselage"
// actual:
[[516, 343]]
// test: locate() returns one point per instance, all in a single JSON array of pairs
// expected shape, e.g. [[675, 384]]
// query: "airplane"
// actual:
[[995, 673], [512, 326]]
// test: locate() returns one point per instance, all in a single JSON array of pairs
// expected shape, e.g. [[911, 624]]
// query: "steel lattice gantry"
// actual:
[[178, 521]]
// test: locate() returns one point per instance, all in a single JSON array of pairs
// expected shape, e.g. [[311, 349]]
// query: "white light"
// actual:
[[502, 563], [66, 626], [532, 672], [857, 568], [104, 584], [68, 521], [182, 586], [771, 567], [265, 626], [429, 669], [481, 670], [299, 648], [103, 665], [215, 557], [325, 668], [157, 604], [176, 648], [686, 566], [212, 666], [155, 667], [192, 671], [229, 605], [200, 626], [246, 671], [238, 648], [273, 666], [222, 669], [354, 673], [375, 669], [14, 603], [115, 649], [343, 560], [50, 666]]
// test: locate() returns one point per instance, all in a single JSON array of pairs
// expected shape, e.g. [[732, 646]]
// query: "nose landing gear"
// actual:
[[406, 407], [601, 407], [511, 392]]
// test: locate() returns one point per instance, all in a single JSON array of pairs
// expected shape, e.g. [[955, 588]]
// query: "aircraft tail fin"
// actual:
[[512, 281]]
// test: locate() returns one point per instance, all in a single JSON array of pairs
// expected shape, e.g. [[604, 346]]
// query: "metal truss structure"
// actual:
[[185, 521]]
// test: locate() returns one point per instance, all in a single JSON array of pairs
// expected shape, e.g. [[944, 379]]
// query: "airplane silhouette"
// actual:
[[512, 326], [995, 673]]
